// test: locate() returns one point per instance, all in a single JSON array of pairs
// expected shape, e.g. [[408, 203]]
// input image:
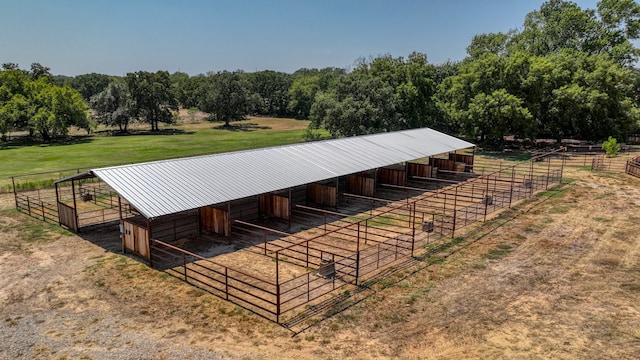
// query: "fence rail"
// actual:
[[633, 166]]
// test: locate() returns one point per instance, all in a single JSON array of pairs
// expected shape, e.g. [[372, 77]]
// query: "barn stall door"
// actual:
[[136, 238], [67, 216], [215, 220], [361, 185], [275, 205], [322, 194], [392, 176]]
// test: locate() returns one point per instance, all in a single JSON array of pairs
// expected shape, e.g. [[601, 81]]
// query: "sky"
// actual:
[[74, 37]]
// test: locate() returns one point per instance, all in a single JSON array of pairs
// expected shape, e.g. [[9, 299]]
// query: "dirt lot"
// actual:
[[555, 277]]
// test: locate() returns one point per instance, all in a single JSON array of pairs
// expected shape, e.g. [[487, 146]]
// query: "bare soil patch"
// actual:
[[555, 277]]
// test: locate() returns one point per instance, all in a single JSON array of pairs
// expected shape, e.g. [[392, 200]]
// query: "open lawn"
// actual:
[[172, 141]]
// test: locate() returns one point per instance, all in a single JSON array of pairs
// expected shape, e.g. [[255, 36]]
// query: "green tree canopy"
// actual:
[[113, 106], [153, 97], [225, 96]]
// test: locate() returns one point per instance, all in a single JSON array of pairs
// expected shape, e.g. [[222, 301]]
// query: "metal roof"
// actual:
[[165, 187]]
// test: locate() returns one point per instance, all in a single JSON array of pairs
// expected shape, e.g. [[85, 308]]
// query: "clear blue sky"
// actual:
[[75, 37]]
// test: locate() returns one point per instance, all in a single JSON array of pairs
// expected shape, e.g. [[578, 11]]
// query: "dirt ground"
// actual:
[[555, 277]]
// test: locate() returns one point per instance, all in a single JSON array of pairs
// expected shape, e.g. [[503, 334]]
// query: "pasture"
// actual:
[[172, 141]]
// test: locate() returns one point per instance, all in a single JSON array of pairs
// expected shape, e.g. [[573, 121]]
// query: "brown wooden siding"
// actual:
[[392, 176], [322, 194], [360, 185], [275, 205], [215, 220], [67, 216], [136, 238], [422, 170]]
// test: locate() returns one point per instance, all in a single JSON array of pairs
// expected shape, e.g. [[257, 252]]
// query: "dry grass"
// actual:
[[555, 277]]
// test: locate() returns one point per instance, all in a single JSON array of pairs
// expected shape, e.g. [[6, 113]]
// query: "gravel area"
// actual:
[[86, 337]]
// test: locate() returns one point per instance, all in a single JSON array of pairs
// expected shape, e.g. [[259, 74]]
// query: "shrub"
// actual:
[[611, 147]]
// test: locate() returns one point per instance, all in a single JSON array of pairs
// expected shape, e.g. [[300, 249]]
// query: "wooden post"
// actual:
[[124, 250], [337, 193], [228, 224], [149, 235], [75, 207], [290, 206], [57, 202]]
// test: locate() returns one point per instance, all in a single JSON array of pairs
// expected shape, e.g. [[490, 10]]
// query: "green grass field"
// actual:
[[174, 141]]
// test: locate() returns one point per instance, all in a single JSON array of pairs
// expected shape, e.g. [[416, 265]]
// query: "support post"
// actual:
[[290, 206], [75, 207], [337, 193], [124, 250], [57, 202], [149, 235]]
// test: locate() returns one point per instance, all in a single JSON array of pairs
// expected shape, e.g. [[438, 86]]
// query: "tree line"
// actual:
[[567, 73]]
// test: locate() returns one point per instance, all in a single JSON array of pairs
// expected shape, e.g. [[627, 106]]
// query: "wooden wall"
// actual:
[[421, 170], [215, 220], [275, 205], [67, 216], [322, 194], [360, 185], [392, 176], [136, 238], [443, 164]]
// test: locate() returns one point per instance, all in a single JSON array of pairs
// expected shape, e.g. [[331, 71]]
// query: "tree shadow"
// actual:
[[27, 141], [169, 131], [244, 127]]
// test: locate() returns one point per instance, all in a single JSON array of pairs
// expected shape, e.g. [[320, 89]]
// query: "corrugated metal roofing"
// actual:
[[165, 187]]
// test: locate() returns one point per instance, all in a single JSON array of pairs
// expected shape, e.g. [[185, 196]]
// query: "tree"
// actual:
[[29, 100], [53, 109], [302, 94], [90, 84], [153, 97], [381, 94], [271, 92], [225, 96], [113, 106], [493, 116]]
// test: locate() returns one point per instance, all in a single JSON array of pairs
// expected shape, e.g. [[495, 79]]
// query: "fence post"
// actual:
[[264, 235], [358, 254], [15, 191], [42, 205], [513, 181], [277, 286], [226, 282], [28, 206], [486, 203], [184, 266], [455, 213], [548, 172]]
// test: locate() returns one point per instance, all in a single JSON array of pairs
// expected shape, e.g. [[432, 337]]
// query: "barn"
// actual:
[[309, 218]]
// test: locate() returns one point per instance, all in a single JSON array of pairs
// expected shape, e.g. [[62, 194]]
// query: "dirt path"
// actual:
[[561, 280]]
